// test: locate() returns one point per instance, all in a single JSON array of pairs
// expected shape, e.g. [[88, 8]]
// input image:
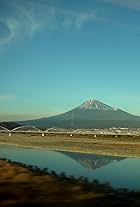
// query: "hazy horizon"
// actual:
[[57, 54], [23, 117]]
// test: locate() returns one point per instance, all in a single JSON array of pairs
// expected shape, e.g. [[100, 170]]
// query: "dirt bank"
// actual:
[[22, 186], [126, 146]]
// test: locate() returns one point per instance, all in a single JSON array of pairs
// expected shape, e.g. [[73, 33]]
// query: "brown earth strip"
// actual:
[[22, 186], [126, 146]]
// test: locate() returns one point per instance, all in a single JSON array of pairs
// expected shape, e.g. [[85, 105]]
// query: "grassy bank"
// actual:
[[22, 186], [125, 146]]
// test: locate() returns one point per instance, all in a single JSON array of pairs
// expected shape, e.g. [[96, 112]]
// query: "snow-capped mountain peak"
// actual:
[[96, 105]]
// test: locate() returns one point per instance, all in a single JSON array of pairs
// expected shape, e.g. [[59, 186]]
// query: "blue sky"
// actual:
[[56, 54]]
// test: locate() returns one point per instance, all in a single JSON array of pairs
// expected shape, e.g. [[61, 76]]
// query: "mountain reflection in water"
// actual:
[[91, 161], [118, 171]]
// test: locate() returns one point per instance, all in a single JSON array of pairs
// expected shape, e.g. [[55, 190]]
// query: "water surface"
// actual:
[[118, 171]]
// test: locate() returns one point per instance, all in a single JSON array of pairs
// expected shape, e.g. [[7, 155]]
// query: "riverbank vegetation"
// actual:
[[23, 185]]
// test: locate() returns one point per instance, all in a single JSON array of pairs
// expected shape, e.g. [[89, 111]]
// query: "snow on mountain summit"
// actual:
[[96, 105]]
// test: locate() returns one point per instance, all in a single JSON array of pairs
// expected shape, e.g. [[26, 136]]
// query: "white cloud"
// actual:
[[22, 20], [83, 18], [132, 4], [77, 19], [14, 116], [7, 97], [25, 18]]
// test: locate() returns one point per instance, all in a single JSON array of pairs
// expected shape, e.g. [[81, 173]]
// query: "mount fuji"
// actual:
[[90, 114]]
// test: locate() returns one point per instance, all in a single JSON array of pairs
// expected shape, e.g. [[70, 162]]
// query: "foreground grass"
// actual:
[[126, 146], [22, 186]]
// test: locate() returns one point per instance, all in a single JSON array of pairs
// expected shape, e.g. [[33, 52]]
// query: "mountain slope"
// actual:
[[9, 125], [91, 114]]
